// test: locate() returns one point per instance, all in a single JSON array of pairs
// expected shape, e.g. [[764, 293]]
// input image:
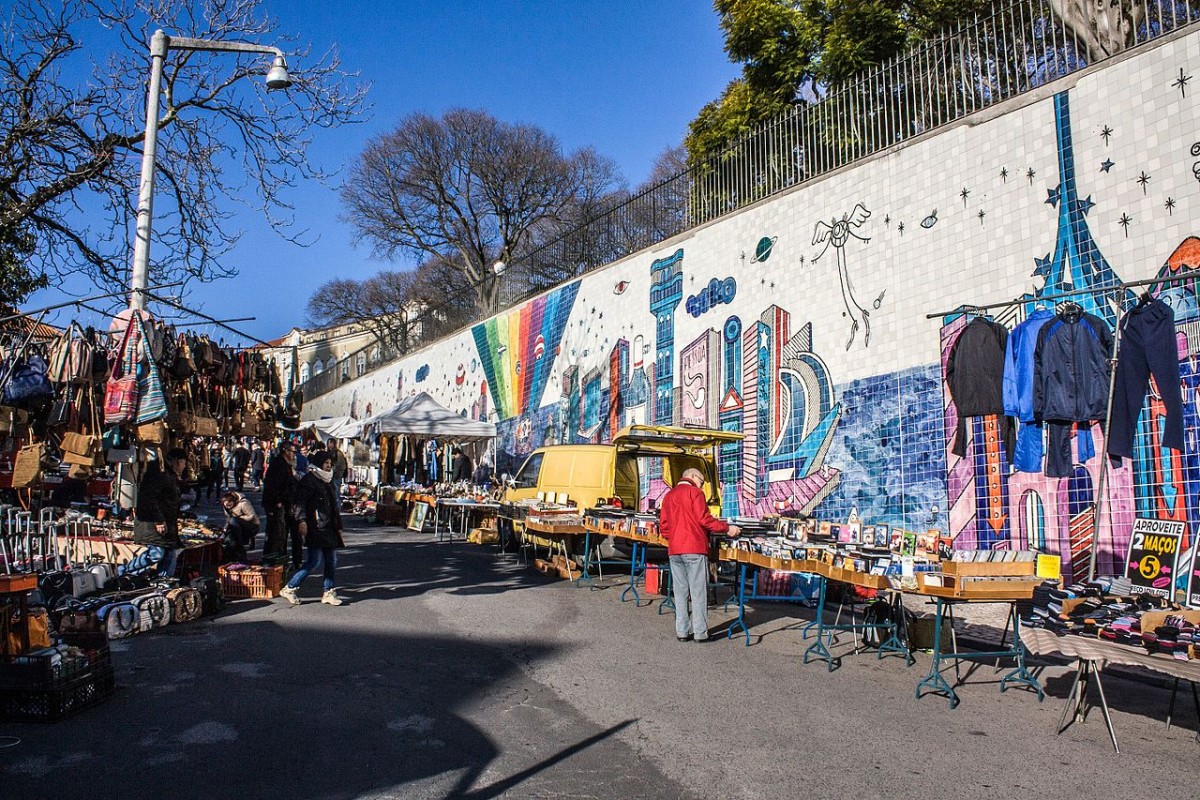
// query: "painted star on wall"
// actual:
[[1124, 222], [1106, 164], [1181, 82], [964, 194], [1004, 174], [1106, 133], [981, 215], [1030, 173], [1143, 180], [1170, 206]]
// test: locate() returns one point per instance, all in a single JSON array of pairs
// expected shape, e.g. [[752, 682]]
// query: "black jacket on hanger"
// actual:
[[975, 377]]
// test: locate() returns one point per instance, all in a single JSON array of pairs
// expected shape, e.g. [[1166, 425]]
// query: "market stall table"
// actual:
[[1091, 656], [465, 507], [551, 535], [936, 683], [820, 649]]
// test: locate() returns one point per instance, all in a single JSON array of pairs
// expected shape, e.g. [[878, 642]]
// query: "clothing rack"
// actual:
[[206, 318], [81, 301], [1105, 459], [1116, 287]]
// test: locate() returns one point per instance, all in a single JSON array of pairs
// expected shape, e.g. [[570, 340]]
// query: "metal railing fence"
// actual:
[[1015, 48]]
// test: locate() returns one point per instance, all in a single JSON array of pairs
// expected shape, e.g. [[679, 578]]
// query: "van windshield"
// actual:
[[527, 478]]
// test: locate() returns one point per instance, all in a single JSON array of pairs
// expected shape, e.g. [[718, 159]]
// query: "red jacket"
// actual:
[[685, 522]]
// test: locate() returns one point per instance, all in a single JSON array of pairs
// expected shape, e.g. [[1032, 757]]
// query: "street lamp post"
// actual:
[[160, 43]]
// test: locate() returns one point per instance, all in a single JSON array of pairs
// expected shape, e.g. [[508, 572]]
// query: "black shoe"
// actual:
[[687, 638], [707, 639]]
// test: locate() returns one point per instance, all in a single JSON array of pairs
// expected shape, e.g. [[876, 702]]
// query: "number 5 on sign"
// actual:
[[1153, 556]]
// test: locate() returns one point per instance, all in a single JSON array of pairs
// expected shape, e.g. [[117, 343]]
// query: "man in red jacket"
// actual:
[[686, 523]]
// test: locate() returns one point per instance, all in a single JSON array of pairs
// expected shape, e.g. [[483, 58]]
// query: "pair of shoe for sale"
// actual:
[[330, 596]]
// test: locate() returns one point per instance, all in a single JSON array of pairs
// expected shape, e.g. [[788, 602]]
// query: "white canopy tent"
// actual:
[[330, 427], [423, 416]]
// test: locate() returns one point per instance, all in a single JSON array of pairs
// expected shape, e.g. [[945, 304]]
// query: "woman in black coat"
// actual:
[[321, 527]]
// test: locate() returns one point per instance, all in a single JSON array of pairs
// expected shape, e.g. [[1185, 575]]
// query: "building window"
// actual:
[[305, 373], [332, 364], [318, 367], [362, 363]]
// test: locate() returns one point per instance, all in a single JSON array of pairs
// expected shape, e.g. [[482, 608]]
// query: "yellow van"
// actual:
[[584, 474]]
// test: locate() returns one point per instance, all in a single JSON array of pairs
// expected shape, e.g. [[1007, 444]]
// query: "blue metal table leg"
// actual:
[[819, 649], [893, 644], [668, 601], [633, 573], [934, 681], [740, 622], [1021, 675], [586, 575]]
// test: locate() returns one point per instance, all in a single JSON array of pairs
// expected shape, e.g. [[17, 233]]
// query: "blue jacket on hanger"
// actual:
[[1018, 389], [1071, 383]]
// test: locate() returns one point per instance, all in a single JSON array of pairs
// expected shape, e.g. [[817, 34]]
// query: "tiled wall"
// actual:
[[803, 322]]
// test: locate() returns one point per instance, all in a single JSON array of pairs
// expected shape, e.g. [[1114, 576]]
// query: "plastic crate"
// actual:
[[38, 670], [254, 582], [59, 702]]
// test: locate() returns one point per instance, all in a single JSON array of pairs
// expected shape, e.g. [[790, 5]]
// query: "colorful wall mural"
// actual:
[[838, 382]]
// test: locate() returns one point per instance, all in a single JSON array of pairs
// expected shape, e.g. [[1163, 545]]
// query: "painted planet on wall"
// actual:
[[460, 375], [763, 250], [621, 287], [539, 347], [422, 372]]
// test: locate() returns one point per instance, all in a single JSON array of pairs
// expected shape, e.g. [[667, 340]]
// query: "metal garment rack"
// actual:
[[1102, 480], [212, 320]]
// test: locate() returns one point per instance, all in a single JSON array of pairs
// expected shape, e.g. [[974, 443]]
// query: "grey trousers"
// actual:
[[689, 576]]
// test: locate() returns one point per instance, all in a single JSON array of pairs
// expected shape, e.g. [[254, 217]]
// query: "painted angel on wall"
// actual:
[[837, 233]]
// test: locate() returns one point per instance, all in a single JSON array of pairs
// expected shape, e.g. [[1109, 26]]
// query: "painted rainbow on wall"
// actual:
[[516, 349]]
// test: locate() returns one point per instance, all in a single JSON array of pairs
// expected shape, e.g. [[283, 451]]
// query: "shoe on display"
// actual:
[[330, 598], [289, 594]]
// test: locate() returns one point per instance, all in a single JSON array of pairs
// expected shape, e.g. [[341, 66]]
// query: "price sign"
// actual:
[[1153, 556]]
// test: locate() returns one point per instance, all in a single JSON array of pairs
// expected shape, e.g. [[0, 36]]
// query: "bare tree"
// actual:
[[385, 305], [70, 149], [466, 189]]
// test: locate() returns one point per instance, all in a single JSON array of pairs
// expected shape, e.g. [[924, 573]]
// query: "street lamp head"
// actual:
[[277, 76]]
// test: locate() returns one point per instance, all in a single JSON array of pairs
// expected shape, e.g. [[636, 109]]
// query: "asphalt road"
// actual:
[[455, 672]]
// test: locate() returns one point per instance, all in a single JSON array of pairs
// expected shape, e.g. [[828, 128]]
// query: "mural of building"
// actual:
[[838, 384]]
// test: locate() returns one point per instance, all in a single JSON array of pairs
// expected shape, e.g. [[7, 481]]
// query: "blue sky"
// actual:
[[623, 77]]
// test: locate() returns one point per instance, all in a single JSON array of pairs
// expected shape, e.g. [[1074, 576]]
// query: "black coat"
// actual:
[[279, 484], [461, 468], [975, 377], [158, 502], [317, 507]]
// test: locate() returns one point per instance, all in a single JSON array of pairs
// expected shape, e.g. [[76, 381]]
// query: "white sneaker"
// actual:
[[330, 597], [289, 594]]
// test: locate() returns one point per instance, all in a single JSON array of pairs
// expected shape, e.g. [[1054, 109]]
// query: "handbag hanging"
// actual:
[[27, 467], [152, 403], [71, 357], [120, 393], [28, 382]]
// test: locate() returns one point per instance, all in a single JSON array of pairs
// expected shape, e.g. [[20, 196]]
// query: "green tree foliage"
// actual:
[[791, 52]]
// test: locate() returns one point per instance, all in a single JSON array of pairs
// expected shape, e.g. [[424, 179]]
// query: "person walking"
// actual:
[[241, 461], [321, 527], [279, 497], [216, 470], [227, 464], [685, 522], [156, 517], [258, 464], [340, 467]]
